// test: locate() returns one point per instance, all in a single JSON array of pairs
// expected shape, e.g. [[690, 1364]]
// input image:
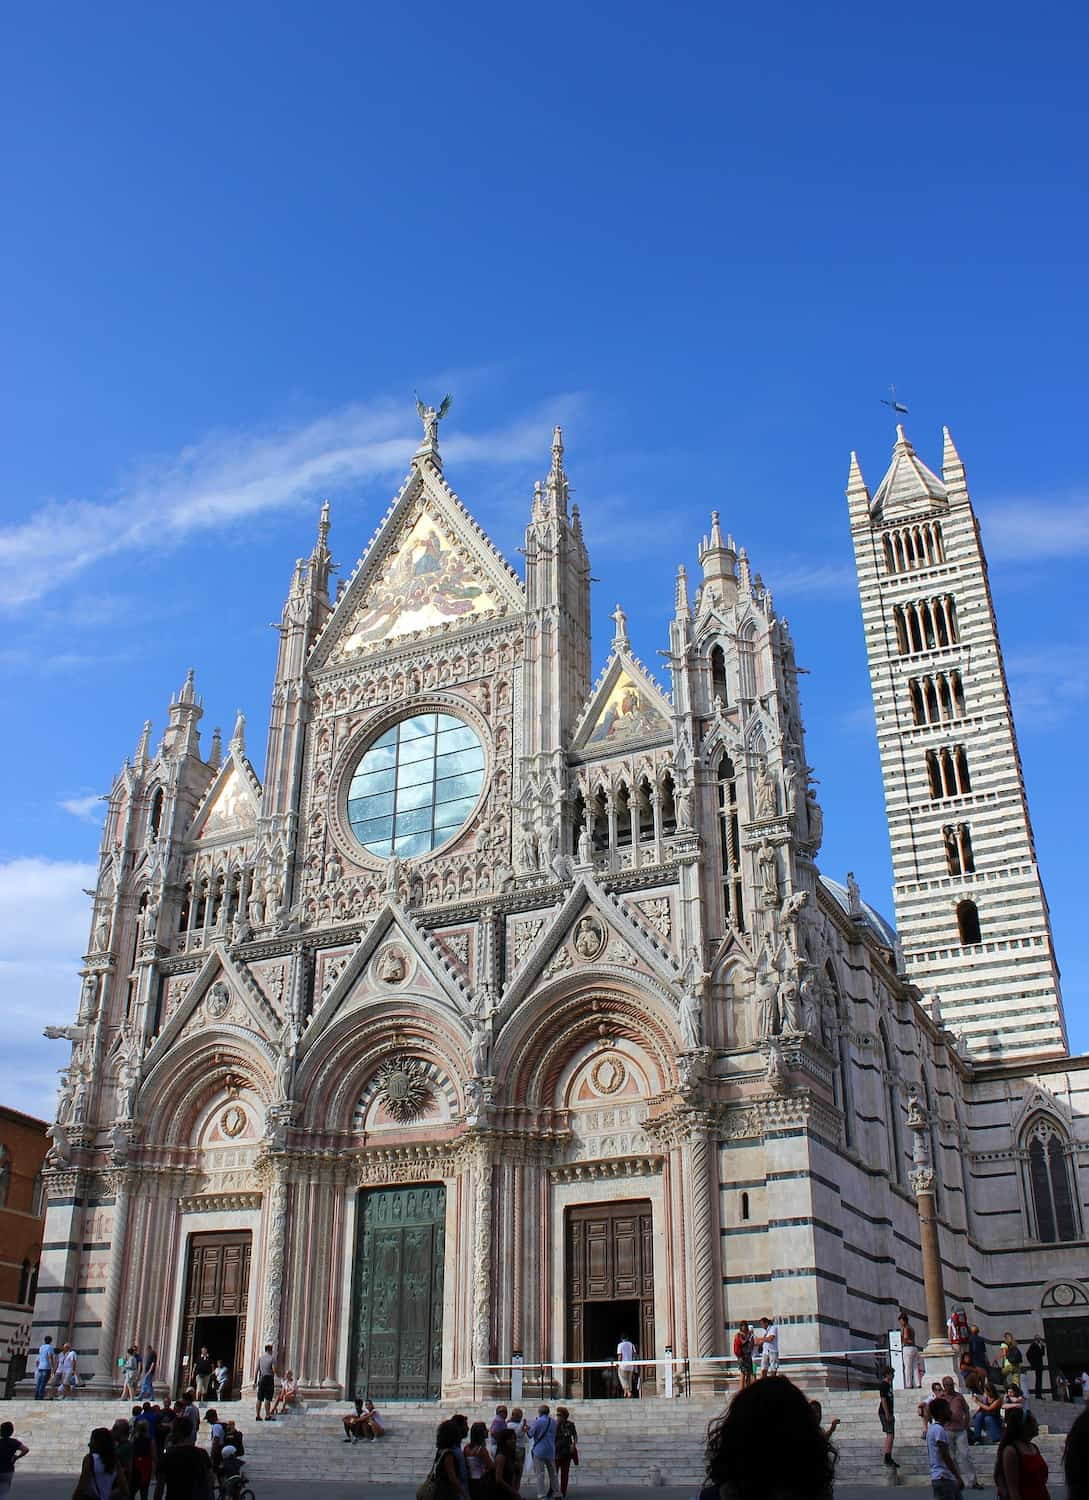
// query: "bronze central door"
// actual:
[[610, 1289], [217, 1285], [397, 1317]]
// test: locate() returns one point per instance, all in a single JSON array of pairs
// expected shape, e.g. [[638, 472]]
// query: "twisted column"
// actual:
[[704, 1220], [482, 1260], [275, 1248]]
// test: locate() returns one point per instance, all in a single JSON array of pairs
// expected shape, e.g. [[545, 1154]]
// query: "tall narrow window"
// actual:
[[892, 1110], [718, 675], [730, 842], [155, 817], [746, 661], [842, 1077], [623, 816], [968, 924], [1054, 1204]]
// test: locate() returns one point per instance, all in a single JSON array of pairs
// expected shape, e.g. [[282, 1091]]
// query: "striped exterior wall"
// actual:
[[1001, 995]]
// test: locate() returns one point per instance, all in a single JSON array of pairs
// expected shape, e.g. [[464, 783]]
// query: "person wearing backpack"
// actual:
[[567, 1446], [1012, 1359]]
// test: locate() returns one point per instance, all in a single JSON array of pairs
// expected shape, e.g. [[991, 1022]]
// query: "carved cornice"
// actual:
[[608, 1167], [213, 1203]]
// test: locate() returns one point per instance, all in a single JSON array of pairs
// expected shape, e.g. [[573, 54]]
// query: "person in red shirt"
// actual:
[[744, 1344]]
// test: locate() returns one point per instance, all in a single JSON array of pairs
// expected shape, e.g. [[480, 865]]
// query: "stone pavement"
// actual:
[[59, 1487]]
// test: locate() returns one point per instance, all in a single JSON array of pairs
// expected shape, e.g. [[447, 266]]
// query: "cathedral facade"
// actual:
[[510, 1012]]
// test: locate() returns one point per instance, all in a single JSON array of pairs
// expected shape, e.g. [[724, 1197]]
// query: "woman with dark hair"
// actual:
[[988, 1417], [449, 1462], [1076, 1459], [100, 1476], [479, 1462], [507, 1468], [768, 1443], [1020, 1471]]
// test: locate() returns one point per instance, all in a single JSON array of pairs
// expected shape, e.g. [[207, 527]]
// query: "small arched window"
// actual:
[[968, 924], [1054, 1204], [892, 1109], [744, 1205], [746, 661], [5, 1175]]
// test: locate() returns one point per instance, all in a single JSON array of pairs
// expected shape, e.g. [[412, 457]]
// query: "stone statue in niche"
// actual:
[[151, 917], [767, 862], [766, 993], [790, 1008], [682, 801], [767, 793], [854, 896], [480, 1042], [691, 1017]]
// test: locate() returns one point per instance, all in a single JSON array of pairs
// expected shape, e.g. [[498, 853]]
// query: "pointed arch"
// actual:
[[893, 1128], [1050, 1168]]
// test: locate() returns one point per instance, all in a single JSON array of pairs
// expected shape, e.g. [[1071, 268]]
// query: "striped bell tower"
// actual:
[[971, 913]]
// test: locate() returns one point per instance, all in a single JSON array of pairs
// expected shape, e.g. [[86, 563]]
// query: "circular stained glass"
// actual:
[[416, 786]]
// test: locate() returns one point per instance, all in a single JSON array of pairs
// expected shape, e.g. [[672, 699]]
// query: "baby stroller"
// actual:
[[232, 1476]]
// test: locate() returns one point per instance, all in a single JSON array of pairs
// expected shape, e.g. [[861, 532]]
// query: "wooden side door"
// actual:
[[217, 1285]]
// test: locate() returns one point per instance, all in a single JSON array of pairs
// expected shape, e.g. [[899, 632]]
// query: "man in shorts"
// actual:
[[67, 1376], [886, 1415], [266, 1382], [768, 1339]]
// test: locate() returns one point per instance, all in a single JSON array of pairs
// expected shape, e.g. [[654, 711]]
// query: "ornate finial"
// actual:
[[323, 524], [620, 620], [238, 738], [716, 530], [143, 745], [681, 605], [215, 755], [187, 693], [557, 448], [431, 416]]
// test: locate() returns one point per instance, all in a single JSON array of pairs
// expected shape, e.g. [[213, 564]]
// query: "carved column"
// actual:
[[938, 1356], [703, 1217], [122, 1184], [275, 1247], [483, 1285]]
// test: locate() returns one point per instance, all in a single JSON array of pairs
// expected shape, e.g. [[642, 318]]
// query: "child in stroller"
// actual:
[[232, 1475]]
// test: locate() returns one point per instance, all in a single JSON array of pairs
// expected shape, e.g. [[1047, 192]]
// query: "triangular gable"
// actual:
[[620, 922], [231, 803], [626, 708], [391, 922], [219, 962], [428, 569]]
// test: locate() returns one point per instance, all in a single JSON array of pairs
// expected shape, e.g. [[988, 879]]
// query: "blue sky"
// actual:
[[704, 237]]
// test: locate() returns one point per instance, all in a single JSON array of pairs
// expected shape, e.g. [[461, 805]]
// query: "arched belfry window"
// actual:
[[968, 924], [1050, 1182]]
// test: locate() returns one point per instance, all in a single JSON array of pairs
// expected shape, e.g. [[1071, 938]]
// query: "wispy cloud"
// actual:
[[86, 809], [810, 580], [227, 477], [1030, 530], [1048, 684], [44, 922]]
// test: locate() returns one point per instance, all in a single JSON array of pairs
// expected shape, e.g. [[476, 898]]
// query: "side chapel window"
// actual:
[[1054, 1207]]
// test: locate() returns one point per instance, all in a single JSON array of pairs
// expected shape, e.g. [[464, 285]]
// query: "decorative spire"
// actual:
[[557, 479], [143, 745], [215, 759], [952, 464], [718, 562], [238, 737], [620, 634], [187, 694], [576, 522], [744, 572], [682, 608], [855, 480]]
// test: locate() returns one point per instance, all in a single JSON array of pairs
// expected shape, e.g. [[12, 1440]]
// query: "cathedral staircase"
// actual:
[[620, 1442]]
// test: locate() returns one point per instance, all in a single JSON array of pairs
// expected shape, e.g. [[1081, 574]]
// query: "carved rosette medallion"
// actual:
[[608, 1075], [404, 1088]]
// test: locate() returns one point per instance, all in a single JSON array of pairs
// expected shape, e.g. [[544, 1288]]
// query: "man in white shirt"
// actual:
[[67, 1377], [625, 1355], [945, 1478], [768, 1339]]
